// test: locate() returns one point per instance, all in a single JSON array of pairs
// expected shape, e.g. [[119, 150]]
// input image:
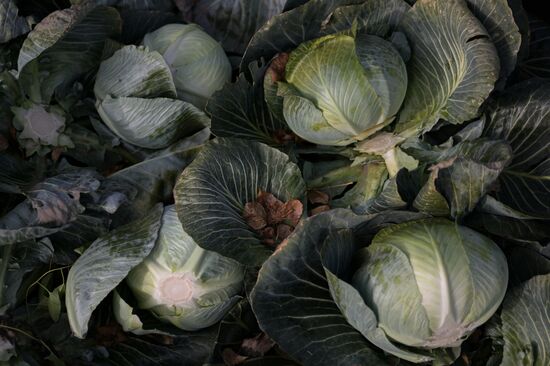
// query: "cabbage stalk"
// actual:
[[181, 283]]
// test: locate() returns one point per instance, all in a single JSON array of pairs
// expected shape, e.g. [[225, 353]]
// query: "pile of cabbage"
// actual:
[[287, 182]]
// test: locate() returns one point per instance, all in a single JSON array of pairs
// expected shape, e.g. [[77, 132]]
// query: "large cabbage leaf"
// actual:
[[522, 118], [526, 323], [13, 25], [231, 22], [453, 67], [211, 193], [105, 264], [64, 46], [309, 325]]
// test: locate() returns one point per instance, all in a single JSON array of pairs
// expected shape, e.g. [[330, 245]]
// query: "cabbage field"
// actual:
[[274, 182]]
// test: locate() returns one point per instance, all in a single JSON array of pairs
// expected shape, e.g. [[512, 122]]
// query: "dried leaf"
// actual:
[[318, 210], [283, 232], [231, 358], [318, 197], [255, 215], [257, 346]]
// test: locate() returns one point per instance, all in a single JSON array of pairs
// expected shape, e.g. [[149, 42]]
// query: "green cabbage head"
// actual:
[[181, 283], [198, 63], [137, 99], [430, 283], [342, 88]]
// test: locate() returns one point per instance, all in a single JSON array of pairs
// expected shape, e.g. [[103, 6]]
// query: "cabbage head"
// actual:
[[342, 88], [198, 62], [412, 286], [430, 283], [181, 283], [136, 98]]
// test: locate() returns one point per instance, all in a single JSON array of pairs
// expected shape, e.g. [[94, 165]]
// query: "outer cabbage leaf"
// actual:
[[64, 46], [466, 172], [13, 25], [522, 118], [306, 323], [526, 323], [453, 67], [191, 349], [289, 29], [460, 176], [388, 198], [134, 72], [501, 220], [308, 20], [50, 205], [105, 264], [231, 22], [429, 200], [536, 64], [20, 224], [16, 173], [497, 17], [527, 260], [375, 17], [151, 123], [211, 193], [152, 180], [239, 110]]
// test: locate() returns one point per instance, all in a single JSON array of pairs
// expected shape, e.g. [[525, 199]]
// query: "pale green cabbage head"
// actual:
[[430, 283], [183, 284], [198, 62], [342, 88]]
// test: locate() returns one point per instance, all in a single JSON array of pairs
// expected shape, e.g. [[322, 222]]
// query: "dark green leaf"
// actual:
[[50, 205], [16, 173], [286, 31], [468, 170], [211, 193], [231, 22], [497, 17], [526, 323], [189, 350], [151, 181], [64, 46], [293, 303], [537, 65], [498, 219], [527, 260], [376, 17], [12, 24], [522, 118], [138, 22], [239, 110]]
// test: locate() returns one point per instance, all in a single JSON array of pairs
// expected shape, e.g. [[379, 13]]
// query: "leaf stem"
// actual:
[[6, 256], [7, 327]]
